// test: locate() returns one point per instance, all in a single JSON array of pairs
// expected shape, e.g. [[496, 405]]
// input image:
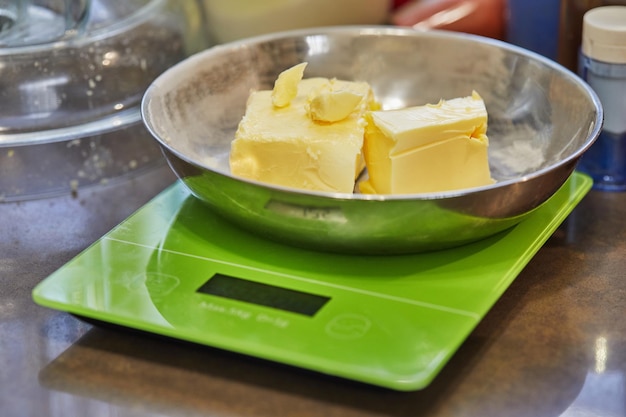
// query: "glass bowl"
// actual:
[[72, 74]]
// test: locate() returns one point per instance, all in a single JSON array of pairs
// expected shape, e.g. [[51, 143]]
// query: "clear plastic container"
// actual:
[[72, 76]]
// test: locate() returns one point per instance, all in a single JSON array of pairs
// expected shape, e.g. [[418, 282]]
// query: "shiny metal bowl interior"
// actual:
[[541, 119]]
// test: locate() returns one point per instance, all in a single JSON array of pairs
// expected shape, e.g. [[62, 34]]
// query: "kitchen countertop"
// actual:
[[553, 345]]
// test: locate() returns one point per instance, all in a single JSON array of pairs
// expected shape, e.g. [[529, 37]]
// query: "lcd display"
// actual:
[[263, 294]]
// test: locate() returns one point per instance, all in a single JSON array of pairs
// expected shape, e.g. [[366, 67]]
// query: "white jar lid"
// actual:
[[604, 34]]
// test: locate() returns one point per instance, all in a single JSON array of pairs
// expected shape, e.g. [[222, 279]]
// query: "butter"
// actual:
[[334, 101], [282, 142], [286, 85], [424, 149]]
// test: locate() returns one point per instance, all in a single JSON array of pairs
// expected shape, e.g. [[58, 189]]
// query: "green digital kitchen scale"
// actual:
[[176, 269]]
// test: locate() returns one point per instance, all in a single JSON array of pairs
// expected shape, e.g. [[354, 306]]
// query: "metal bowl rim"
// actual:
[[381, 30]]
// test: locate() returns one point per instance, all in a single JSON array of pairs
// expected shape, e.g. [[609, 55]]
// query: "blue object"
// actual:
[[605, 160], [534, 25]]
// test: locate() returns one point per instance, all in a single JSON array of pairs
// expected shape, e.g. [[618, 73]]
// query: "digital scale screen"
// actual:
[[263, 294], [176, 269]]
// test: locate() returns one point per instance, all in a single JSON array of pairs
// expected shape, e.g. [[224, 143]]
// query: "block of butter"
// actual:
[[305, 133], [430, 148]]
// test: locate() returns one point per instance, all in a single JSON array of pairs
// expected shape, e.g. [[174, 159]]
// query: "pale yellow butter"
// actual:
[[284, 145], [431, 148], [334, 101], [286, 85]]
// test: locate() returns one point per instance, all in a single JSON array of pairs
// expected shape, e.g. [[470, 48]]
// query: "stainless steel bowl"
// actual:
[[541, 119]]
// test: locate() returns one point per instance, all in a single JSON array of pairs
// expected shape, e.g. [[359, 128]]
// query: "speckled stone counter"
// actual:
[[553, 345]]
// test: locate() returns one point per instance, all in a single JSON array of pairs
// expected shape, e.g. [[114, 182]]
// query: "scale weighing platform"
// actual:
[[175, 269]]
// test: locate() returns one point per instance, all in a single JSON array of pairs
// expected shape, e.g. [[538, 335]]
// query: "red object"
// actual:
[[398, 3], [480, 17]]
